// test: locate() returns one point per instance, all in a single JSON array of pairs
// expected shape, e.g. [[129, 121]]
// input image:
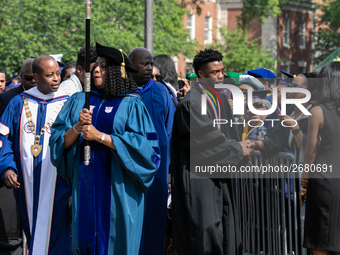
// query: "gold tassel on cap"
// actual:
[[122, 70], [122, 66]]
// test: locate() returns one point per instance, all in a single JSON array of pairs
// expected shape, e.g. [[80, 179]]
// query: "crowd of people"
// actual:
[[147, 132]]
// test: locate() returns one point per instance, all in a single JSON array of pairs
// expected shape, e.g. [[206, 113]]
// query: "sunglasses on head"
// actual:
[[157, 77]]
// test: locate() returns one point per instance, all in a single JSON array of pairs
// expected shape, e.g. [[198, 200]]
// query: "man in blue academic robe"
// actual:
[[159, 104], [25, 163]]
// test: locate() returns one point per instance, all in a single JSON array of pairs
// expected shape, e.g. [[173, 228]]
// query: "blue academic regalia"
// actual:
[[108, 195], [161, 109], [43, 195]]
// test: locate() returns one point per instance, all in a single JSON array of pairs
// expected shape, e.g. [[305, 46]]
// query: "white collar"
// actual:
[[36, 93]]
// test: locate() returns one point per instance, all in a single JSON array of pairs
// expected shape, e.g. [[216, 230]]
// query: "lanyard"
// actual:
[[245, 131], [215, 104]]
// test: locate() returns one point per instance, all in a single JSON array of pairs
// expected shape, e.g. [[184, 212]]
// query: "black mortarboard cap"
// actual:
[[285, 82], [115, 57], [263, 94], [262, 73], [287, 74], [61, 64]]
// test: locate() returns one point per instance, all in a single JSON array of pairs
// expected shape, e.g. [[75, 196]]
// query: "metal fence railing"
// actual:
[[269, 209]]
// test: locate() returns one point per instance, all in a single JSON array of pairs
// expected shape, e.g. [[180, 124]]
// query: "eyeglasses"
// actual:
[[28, 78], [157, 77]]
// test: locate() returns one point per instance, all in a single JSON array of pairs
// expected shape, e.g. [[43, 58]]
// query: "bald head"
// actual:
[[141, 60], [27, 65], [303, 79], [46, 73], [135, 53], [28, 80], [37, 63]]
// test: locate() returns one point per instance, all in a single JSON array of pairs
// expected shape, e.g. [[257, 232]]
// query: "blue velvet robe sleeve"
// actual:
[[162, 110], [10, 119]]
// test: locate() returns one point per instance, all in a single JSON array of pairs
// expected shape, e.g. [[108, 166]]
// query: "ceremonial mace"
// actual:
[[88, 4]]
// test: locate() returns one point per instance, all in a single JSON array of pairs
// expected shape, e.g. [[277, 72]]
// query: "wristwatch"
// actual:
[[296, 131]]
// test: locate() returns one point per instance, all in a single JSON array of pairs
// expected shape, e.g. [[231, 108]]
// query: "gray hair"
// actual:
[[265, 103], [305, 79]]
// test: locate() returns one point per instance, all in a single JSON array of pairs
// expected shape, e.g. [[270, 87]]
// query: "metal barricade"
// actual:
[[269, 209]]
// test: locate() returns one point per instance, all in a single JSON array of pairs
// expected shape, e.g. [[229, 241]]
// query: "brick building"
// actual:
[[289, 35], [203, 27], [295, 35]]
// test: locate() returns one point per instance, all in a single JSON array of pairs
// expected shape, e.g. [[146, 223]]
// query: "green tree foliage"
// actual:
[[251, 10], [328, 38], [35, 27], [241, 54], [195, 4], [260, 9]]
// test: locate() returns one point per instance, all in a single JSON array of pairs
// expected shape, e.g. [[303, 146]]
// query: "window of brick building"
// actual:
[[302, 35], [302, 66], [286, 67], [189, 68], [191, 25], [286, 27], [208, 30], [302, 69]]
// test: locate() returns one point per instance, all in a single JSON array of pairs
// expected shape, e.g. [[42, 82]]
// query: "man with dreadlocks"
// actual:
[[203, 216], [109, 194]]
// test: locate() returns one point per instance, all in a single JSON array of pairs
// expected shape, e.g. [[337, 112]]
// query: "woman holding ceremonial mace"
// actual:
[[108, 194]]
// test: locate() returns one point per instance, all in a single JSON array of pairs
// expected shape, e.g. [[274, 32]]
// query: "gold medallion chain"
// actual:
[[36, 148]]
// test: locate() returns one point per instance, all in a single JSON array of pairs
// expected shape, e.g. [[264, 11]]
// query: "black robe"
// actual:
[[203, 210]]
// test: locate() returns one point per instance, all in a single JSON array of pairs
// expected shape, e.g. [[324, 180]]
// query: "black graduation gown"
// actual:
[[203, 211]]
